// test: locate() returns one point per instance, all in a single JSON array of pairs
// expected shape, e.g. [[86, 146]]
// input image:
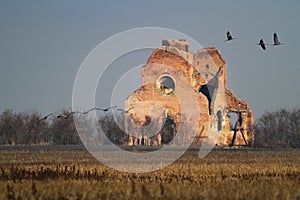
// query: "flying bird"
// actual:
[[62, 115], [105, 109], [96, 108], [276, 40], [262, 44], [66, 116], [229, 37], [126, 111], [45, 117], [86, 112]]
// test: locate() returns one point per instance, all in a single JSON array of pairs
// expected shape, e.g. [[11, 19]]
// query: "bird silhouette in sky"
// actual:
[[229, 37], [105, 109], [126, 111], [276, 40], [97, 108], [45, 117], [262, 44], [66, 116]]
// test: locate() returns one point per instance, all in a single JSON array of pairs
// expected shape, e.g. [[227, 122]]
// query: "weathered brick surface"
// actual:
[[190, 72]]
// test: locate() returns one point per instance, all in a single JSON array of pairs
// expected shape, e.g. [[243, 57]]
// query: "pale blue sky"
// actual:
[[43, 43]]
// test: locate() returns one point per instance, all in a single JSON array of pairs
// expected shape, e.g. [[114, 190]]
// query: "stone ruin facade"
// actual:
[[173, 68]]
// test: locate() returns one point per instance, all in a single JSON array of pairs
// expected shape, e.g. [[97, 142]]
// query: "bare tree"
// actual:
[[63, 130], [7, 131], [111, 129], [280, 128]]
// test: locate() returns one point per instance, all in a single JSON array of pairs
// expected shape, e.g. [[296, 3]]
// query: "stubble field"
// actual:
[[66, 173]]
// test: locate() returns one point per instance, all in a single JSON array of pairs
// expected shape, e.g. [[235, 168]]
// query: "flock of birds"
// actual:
[[66, 116], [261, 41], [263, 45]]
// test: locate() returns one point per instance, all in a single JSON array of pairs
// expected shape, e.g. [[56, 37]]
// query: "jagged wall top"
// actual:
[[201, 60], [183, 46]]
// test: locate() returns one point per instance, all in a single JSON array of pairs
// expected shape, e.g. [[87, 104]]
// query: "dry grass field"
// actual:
[[223, 174]]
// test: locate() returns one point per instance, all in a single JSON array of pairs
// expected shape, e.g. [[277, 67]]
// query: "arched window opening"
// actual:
[[220, 119], [208, 91], [168, 131]]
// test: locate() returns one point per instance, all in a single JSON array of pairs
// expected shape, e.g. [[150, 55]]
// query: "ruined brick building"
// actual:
[[173, 68]]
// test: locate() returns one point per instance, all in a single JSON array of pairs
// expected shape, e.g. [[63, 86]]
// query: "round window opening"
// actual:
[[166, 84]]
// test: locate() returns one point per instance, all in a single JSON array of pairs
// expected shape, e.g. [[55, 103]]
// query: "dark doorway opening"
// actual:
[[208, 91], [220, 119], [168, 131]]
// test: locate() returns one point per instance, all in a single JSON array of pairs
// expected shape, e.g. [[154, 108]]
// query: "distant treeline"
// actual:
[[279, 128], [274, 129], [29, 128]]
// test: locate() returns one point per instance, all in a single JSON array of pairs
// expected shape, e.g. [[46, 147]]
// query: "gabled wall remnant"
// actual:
[[205, 73]]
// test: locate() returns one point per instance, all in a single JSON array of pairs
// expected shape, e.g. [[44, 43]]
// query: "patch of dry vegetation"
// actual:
[[223, 174]]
